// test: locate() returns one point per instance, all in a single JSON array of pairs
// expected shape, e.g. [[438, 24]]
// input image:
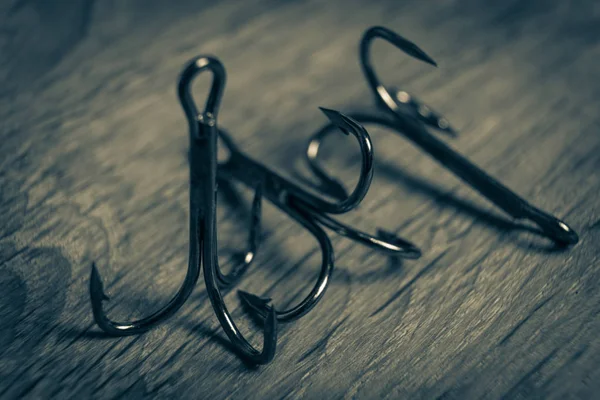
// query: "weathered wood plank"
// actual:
[[93, 168]]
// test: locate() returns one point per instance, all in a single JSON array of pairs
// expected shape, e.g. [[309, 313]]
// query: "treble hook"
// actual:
[[203, 240], [204, 134], [407, 116], [308, 210]]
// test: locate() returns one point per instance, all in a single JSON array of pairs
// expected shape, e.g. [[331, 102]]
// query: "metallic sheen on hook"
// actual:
[[307, 209], [406, 115]]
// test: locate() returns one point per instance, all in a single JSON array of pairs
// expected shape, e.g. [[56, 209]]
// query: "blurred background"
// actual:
[[93, 168]]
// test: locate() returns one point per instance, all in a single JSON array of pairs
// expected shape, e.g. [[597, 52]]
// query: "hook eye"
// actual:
[[208, 117]]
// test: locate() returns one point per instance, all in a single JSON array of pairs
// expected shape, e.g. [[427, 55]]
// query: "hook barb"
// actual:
[[259, 306]]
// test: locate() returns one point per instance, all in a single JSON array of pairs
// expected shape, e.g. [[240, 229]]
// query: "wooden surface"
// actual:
[[93, 168]]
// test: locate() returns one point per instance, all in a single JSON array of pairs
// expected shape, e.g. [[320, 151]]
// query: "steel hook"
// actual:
[[407, 116], [203, 241]]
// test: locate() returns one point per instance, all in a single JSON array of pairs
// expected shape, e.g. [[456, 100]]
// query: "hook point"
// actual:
[[337, 118], [258, 305], [406, 45], [415, 51], [96, 285]]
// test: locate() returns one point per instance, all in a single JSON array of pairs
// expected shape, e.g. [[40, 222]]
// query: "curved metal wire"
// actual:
[[348, 201], [260, 305], [203, 241], [97, 295], [307, 209], [384, 241], [232, 170], [411, 121], [284, 195], [299, 204], [204, 170], [399, 101], [253, 243]]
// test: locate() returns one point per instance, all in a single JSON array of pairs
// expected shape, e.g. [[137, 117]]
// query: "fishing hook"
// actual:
[[307, 209], [406, 115], [203, 241], [311, 211]]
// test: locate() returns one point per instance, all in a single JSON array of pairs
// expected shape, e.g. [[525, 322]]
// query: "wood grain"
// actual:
[[93, 168]]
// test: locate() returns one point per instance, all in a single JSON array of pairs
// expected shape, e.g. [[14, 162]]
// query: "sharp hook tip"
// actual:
[[337, 118], [96, 285], [95, 276], [331, 114], [258, 305], [421, 55]]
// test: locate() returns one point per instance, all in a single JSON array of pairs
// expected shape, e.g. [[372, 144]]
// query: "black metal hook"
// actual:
[[308, 209], [405, 115], [311, 211], [399, 101], [203, 241], [97, 294]]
